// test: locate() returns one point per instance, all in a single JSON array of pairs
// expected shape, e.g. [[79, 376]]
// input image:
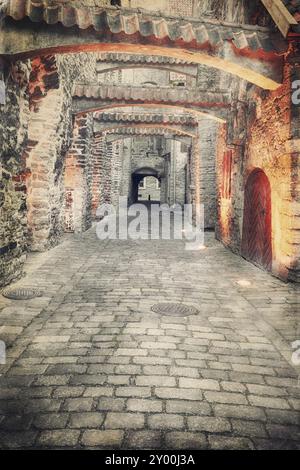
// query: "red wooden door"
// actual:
[[257, 225]]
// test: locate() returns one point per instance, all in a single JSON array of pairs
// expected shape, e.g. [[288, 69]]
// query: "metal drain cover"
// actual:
[[22, 293], [175, 310]]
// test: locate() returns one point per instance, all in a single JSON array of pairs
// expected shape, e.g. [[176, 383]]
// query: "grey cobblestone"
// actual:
[[51, 421], [268, 402], [208, 424], [124, 421], [144, 405], [102, 439], [188, 407], [78, 404], [186, 440], [227, 443], [226, 397], [248, 428], [144, 440], [111, 404], [163, 421], [96, 368], [86, 420], [61, 438], [199, 383]]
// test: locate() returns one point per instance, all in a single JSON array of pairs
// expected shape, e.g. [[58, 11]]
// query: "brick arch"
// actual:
[[147, 129], [146, 171], [145, 66], [180, 138], [138, 175], [185, 109], [244, 51], [245, 72]]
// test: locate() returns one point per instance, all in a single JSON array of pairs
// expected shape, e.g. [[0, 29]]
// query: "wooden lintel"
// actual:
[[281, 15]]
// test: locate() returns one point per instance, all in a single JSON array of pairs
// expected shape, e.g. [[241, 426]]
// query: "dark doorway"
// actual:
[[257, 225]]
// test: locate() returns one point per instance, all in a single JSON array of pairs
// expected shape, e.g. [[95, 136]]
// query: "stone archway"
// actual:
[[231, 50], [138, 176]]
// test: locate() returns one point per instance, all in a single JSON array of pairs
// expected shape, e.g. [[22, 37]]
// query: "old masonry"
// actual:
[[173, 101]]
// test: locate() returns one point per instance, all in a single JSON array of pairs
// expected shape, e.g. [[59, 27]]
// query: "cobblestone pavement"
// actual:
[[91, 366]]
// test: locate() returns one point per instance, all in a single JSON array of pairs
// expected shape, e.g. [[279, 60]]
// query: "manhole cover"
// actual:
[[175, 310], [21, 293]]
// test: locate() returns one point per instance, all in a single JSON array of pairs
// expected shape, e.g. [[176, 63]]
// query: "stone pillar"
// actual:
[[78, 178], [125, 189], [207, 146], [98, 150], [195, 178], [116, 171], [172, 179], [180, 175]]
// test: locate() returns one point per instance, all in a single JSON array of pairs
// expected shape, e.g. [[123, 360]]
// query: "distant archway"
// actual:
[[149, 189], [138, 193]]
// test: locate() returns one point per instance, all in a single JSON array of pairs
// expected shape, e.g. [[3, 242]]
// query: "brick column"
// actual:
[[98, 151], [195, 178], [78, 178]]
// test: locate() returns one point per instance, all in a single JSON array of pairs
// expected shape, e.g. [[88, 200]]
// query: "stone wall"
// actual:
[[107, 172], [115, 160], [98, 152], [50, 134], [102, 164], [208, 193], [36, 131], [266, 147], [236, 11], [14, 115], [78, 177]]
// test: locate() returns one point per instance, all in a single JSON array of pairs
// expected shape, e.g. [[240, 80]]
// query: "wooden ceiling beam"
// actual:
[[281, 15]]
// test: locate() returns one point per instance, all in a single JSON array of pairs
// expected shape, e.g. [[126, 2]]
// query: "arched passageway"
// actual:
[[145, 185], [94, 100], [257, 224], [149, 189]]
